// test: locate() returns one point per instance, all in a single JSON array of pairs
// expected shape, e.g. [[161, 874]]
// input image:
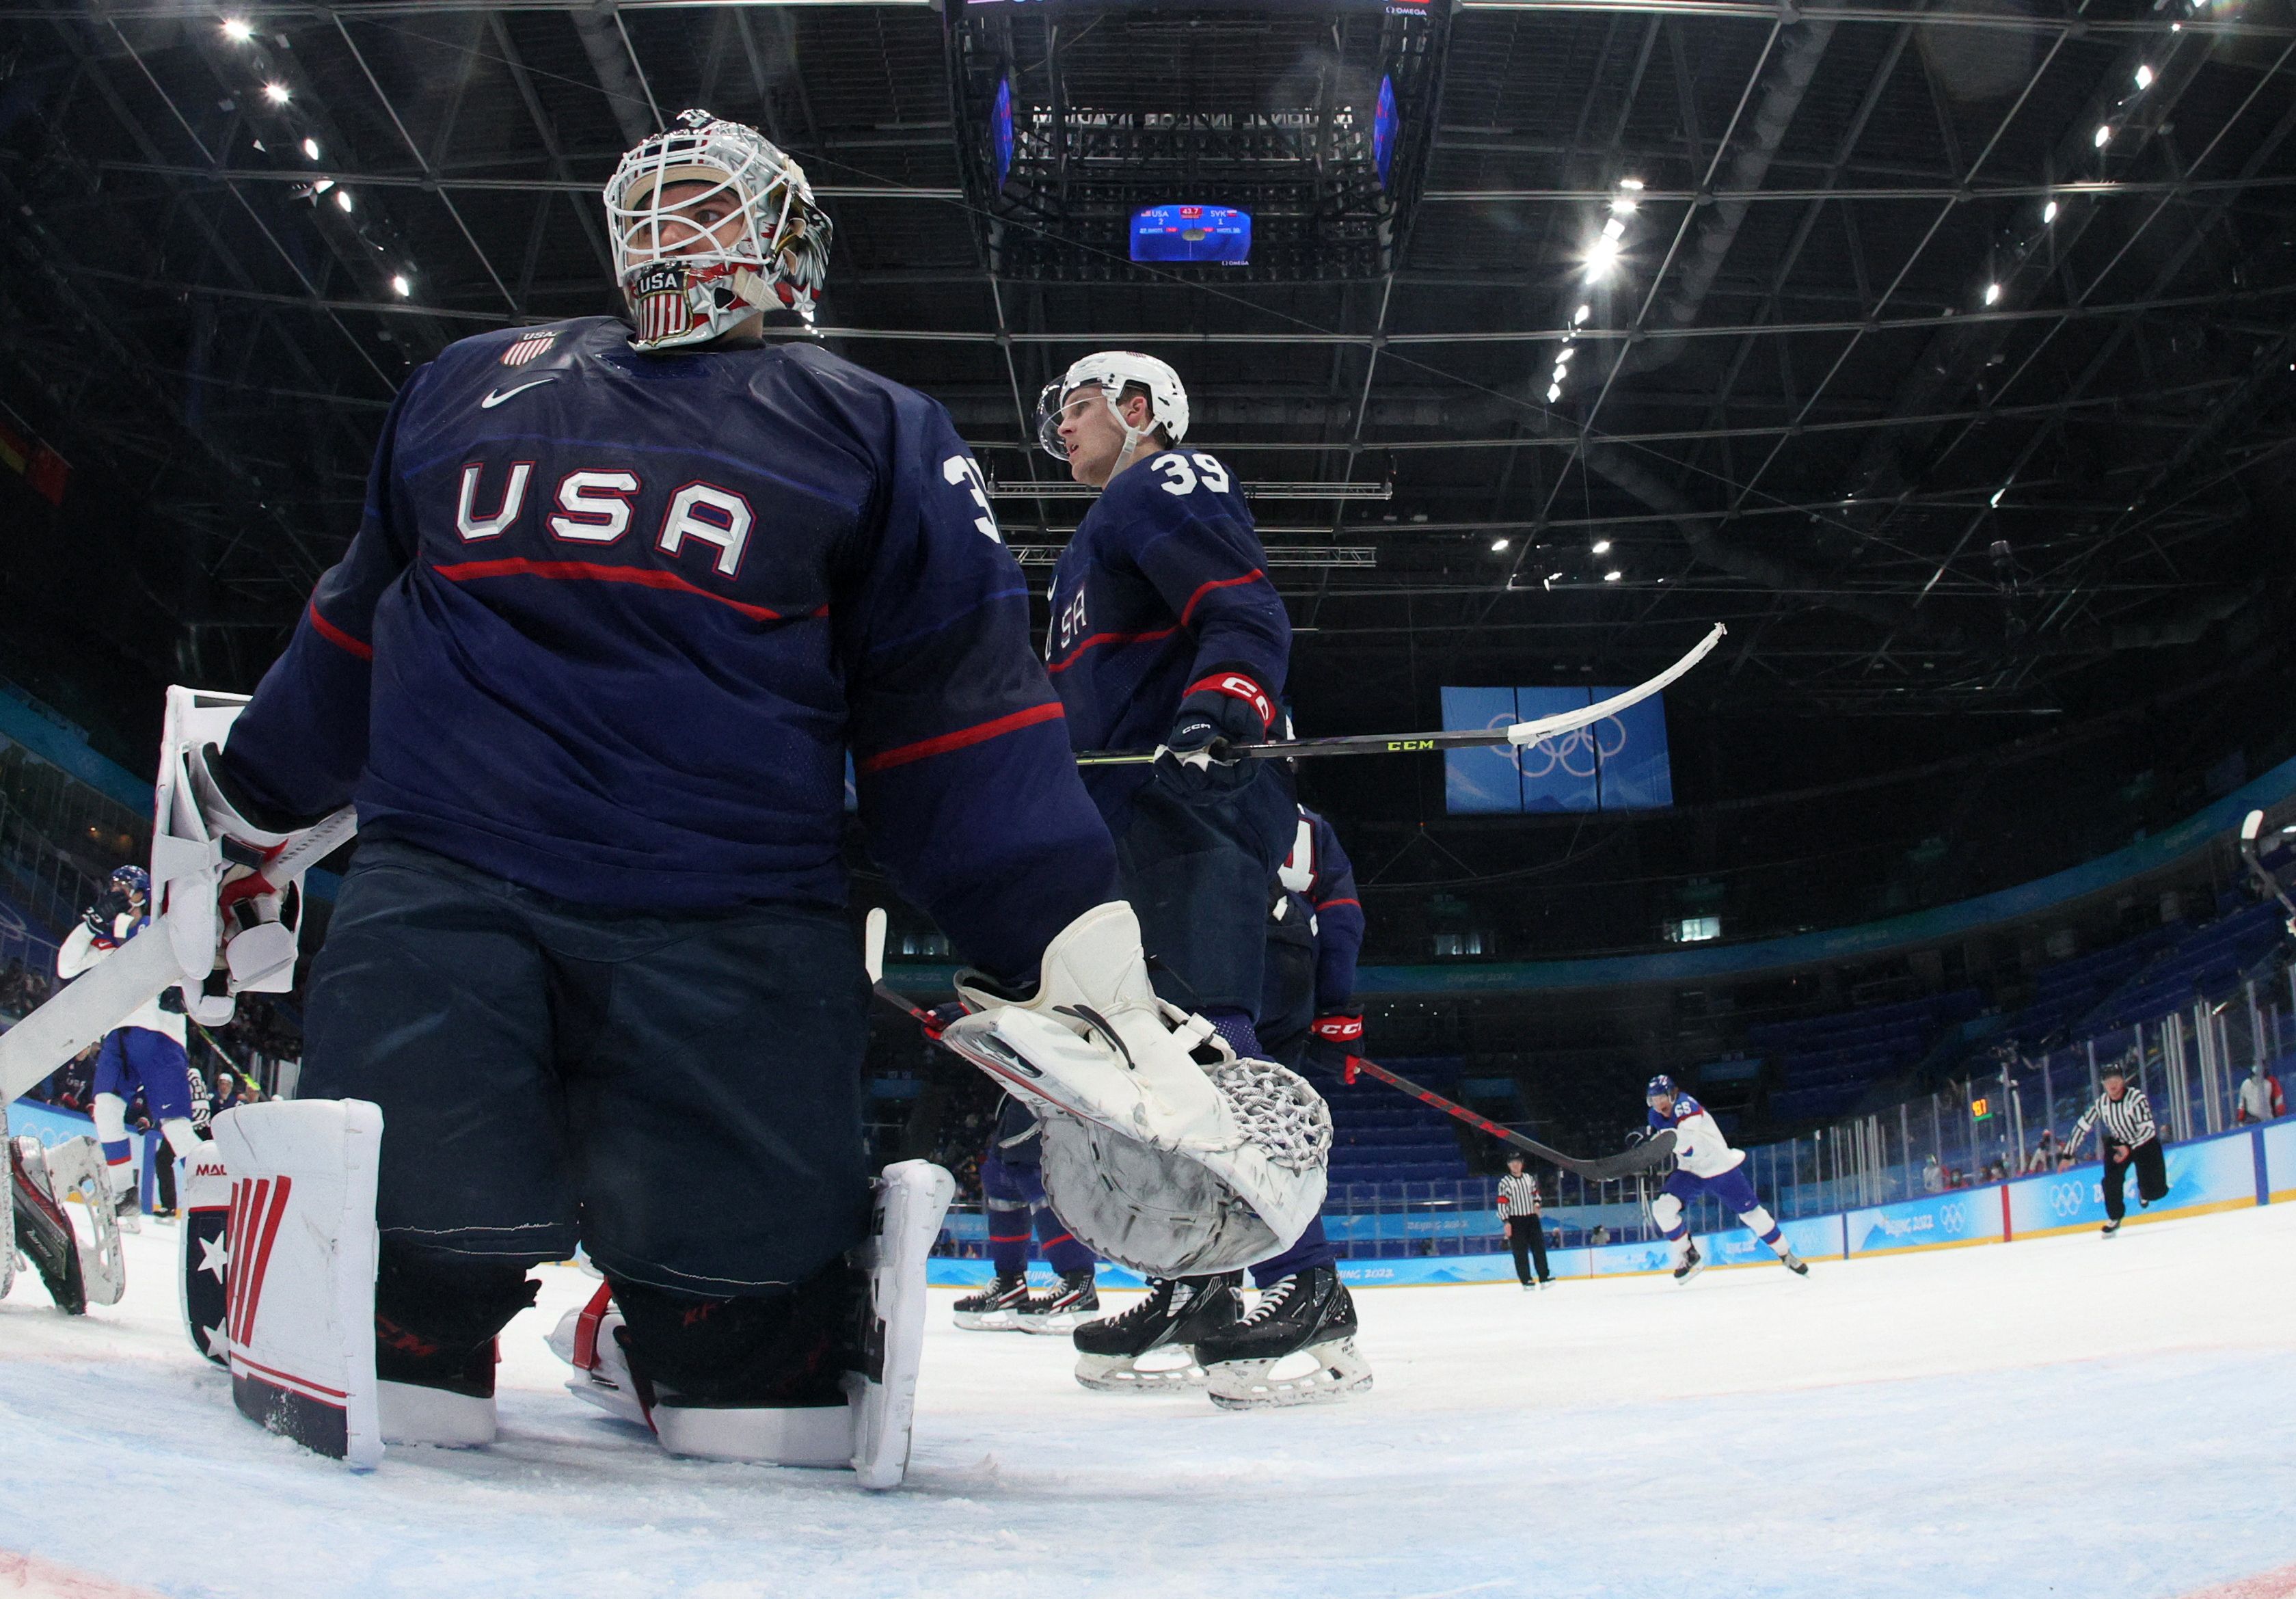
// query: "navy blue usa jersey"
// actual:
[[1163, 595], [612, 621]]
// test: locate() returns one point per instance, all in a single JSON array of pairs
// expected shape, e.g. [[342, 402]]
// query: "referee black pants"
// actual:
[[2152, 1178], [1529, 1239]]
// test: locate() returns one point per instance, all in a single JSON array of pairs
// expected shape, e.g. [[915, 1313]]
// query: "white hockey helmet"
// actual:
[[1109, 370], [679, 294]]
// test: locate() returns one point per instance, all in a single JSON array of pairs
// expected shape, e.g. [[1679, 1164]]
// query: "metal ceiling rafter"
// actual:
[[430, 176], [293, 267]]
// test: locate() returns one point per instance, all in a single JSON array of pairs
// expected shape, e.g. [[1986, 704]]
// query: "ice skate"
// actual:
[[128, 1212], [1178, 1313], [996, 1309], [1075, 1300], [2112, 1229], [1691, 1264], [1309, 1313], [1795, 1263]]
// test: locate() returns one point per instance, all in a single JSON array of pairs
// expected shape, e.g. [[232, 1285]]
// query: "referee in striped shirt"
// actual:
[[2130, 1138], [1521, 1221]]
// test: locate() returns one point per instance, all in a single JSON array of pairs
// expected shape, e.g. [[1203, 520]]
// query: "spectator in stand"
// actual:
[[1932, 1176], [1600, 1236], [1522, 1220], [226, 1091], [2044, 1156], [2259, 1098], [2130, 1138]]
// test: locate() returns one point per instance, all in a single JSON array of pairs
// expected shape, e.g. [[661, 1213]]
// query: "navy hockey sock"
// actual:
[[1059, 1246], [1312, 1250]]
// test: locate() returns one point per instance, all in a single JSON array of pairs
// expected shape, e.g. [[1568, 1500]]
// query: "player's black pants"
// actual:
[[1530, 1238], [2152, 1178], [680, 1094], [1198, 868]]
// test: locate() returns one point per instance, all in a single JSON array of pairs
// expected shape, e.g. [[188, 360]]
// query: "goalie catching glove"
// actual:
[[1162, 1149], [260, 908]]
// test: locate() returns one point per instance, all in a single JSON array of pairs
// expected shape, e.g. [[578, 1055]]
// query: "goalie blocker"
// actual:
[[1163, 1150]]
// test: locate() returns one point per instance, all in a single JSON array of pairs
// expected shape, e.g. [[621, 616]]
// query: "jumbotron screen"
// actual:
[[1192, 233]]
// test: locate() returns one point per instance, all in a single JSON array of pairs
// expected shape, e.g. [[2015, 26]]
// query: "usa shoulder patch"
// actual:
[[529, 346]]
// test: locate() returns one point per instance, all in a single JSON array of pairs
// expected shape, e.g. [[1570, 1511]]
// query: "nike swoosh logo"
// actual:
[[500, 395]]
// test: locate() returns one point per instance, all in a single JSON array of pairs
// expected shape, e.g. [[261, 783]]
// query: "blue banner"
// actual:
[[1964, 1216], [2280, 1159], [1561, 773], [2207, 1174], [1481, 780], [1637, 774]]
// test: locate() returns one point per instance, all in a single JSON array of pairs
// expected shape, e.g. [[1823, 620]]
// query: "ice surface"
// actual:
[[2065, 1416]]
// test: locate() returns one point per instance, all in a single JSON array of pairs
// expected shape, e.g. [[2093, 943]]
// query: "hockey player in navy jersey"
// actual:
[[1705, 1164], [1167, 633], [619, 606], [1307, 1013]]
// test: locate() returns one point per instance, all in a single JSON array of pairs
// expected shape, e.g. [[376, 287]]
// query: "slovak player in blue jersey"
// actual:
[[1167, 634], [1704, 1163], [619, 604]]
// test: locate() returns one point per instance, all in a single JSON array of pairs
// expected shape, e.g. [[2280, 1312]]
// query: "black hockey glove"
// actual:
[[1226, 707], [104, 916]]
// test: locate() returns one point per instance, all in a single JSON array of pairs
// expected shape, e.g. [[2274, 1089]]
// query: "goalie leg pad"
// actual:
[[77, 1165], [301, 1314], [39, 1226], [202, 1266], [911, 1199]]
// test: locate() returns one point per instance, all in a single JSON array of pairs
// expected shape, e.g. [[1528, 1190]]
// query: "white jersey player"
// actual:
[[1705, 1163]]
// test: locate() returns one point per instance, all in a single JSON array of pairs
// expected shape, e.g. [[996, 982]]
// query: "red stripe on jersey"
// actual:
[[582, 571], [1189, 609], [980, 733], [1325, 904], [1070, 660], [336, 637]]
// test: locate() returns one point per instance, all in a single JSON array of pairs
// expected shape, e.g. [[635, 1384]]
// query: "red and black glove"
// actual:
[[1225, 707], [1333, 1039]]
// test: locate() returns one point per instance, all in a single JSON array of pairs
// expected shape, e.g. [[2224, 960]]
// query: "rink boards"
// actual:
[[2234, 1170]]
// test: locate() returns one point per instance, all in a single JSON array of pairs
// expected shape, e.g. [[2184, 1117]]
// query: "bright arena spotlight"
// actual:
[[1294, 797]]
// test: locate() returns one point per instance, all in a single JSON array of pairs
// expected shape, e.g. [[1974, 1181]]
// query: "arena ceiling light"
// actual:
[[2049, 212], [238, 29], [2144, 77], [343, 199], [311, 150], [1992, 294], [400, 286], [276, 93]]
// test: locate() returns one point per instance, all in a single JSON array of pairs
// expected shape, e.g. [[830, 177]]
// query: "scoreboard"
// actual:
[[1192, 233]]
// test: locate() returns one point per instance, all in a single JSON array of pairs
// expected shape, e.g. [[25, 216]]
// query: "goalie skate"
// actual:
[[1297, 1347], [1163, 1328], [587, 1341]]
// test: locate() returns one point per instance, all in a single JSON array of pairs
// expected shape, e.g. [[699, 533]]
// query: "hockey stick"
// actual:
[[134, 975], [1644, 1158], [1517, 734], [2266, 879]]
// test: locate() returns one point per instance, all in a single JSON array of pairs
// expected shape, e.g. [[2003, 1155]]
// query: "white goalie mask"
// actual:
[[686, 283], [1109, 372]]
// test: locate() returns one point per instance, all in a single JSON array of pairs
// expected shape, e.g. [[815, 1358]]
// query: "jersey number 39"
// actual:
[[1180, 478]]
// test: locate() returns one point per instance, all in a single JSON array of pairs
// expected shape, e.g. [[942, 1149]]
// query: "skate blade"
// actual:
[[1059, 1321], [1116, 1375], [1251, 1385], [1693, 1271], [989, 1321]]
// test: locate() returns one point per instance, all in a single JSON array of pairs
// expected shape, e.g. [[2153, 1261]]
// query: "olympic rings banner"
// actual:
[[2207, 1174], [1961, 1215]]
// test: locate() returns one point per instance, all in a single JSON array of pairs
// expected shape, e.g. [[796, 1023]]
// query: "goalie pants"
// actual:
[[678, 1093], [2152, 1168]]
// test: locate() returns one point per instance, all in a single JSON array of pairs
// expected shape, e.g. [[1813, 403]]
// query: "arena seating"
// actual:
[[1382, 1135], [1828, 1063]]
